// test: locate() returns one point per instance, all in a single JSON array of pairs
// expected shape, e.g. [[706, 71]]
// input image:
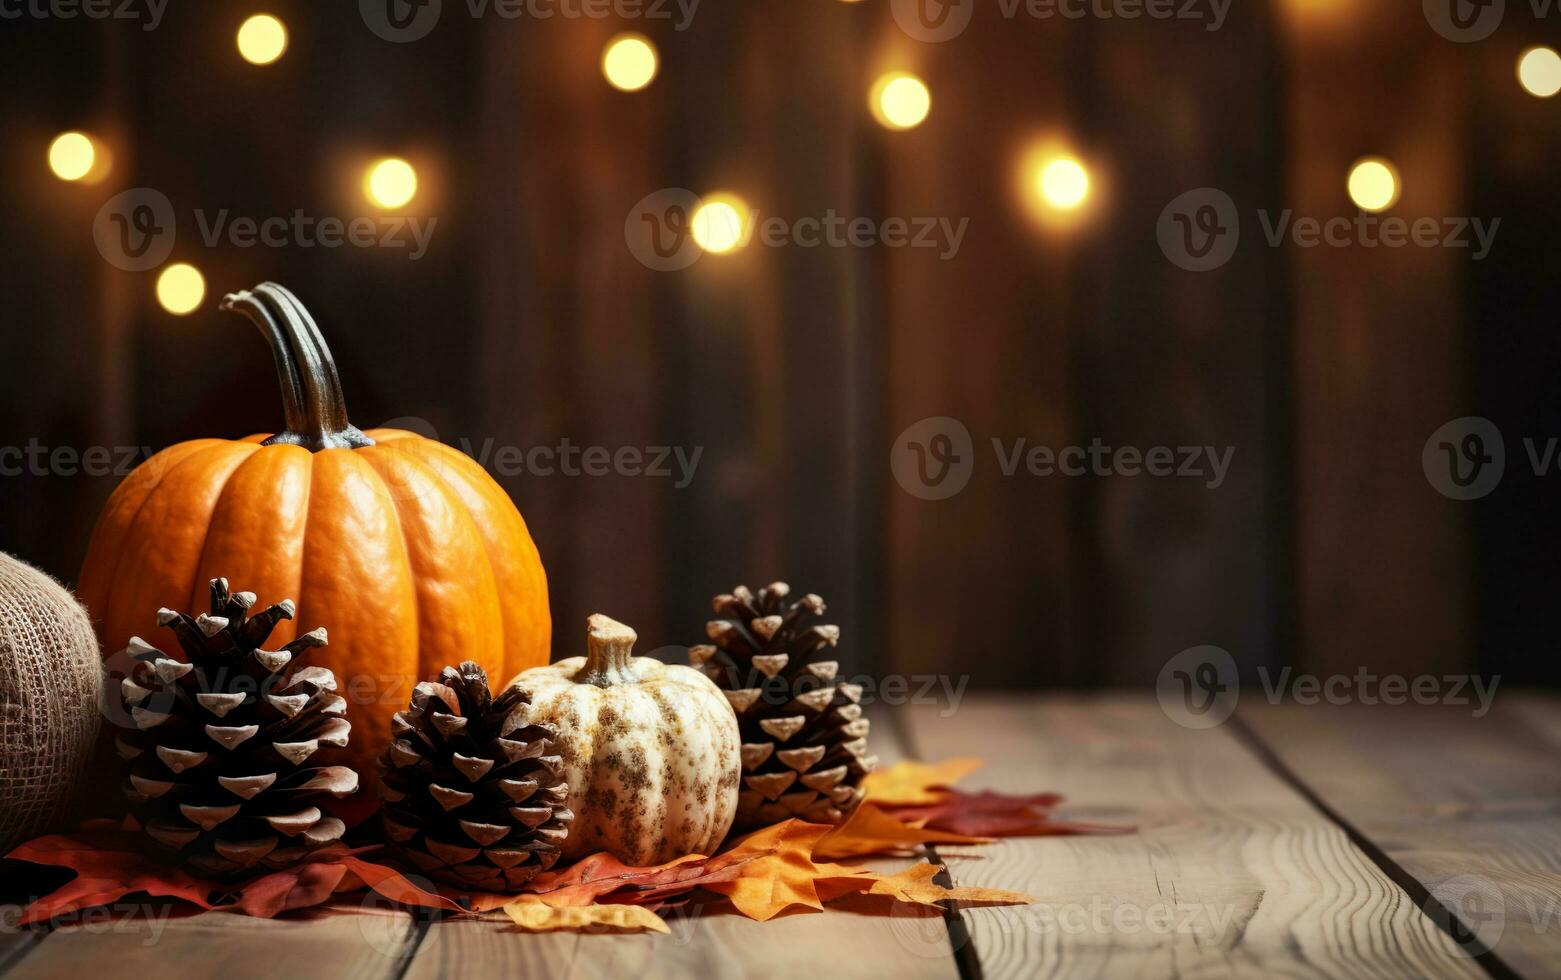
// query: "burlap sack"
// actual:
[[50, 675]]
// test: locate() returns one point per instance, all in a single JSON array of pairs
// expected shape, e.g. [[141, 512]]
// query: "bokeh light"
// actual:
[[1063, 183], [72, 155], [262, 39], [180, 288], [1373, 184], [900, 100], [390, 183], [629, 62], [720, 223], [1539, 71]]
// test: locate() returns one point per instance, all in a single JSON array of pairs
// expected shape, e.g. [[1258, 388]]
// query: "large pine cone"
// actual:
[[804, 740], [220, 772], [473, 798]]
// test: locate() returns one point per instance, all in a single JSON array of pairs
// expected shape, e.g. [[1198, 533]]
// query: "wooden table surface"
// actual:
[[1316, 841]]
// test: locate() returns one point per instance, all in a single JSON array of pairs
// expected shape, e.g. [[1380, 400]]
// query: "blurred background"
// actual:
[[559, 298]]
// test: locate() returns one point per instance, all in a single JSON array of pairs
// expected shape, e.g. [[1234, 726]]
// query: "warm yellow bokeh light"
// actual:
[[629, 62], [1539, 71], [72, 155], [262, 39], [1063, 183], [900, 100], [180, 288], [720, 223], [390, 183], [1373, 184]]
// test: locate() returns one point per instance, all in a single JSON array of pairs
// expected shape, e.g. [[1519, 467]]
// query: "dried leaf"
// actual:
[[988, 814], [777, 870], [393, 885], [909, 783], [534, 915], [110, 865], [916, 885], [870, 830]]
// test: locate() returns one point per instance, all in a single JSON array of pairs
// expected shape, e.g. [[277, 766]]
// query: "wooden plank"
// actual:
[[836, 943], [1381, 562], [149, 941], [14, 943], [1230, 873], [1541, 712], [1459, 802]]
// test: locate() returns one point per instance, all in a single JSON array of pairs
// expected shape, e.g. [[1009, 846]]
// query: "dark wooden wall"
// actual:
[[794, 369]]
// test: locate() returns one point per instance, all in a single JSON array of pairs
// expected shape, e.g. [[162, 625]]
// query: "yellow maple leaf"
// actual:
[[535, 915], [914, 783], [915, 885]]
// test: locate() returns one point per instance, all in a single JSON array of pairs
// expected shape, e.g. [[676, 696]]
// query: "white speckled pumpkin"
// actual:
[[650, 749]]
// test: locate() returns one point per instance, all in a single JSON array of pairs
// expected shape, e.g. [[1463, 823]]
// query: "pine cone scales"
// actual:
[[218, 762], [472, 798], [804, 740]]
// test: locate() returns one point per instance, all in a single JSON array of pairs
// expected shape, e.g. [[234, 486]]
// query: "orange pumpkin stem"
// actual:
[[313, 411], [609, 646]]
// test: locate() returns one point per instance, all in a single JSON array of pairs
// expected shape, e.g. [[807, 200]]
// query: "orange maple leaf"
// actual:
[[870, 830]]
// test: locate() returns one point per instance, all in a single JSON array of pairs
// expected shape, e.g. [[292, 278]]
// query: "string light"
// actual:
[[390, 183], [1539, 71], [72, 155], [262, 39], [1373, 184], [629, 62], [899, 100], [1063, 183], [180, 288], [719, 224]]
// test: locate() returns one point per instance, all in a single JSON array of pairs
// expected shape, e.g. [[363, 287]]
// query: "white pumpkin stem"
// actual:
[[608, 645]]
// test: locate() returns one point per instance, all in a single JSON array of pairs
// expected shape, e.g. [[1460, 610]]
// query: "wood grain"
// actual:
[[1231, 872], [1457, 801], [347, 942]]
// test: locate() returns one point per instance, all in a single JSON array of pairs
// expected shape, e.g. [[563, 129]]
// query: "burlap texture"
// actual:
[[50, 675]]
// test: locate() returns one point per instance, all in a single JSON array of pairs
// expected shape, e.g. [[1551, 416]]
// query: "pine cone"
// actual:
[[472, 798], [217, 774], [804, 740]]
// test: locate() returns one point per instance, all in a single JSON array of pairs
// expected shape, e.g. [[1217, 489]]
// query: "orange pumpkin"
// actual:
[[405, 549]]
